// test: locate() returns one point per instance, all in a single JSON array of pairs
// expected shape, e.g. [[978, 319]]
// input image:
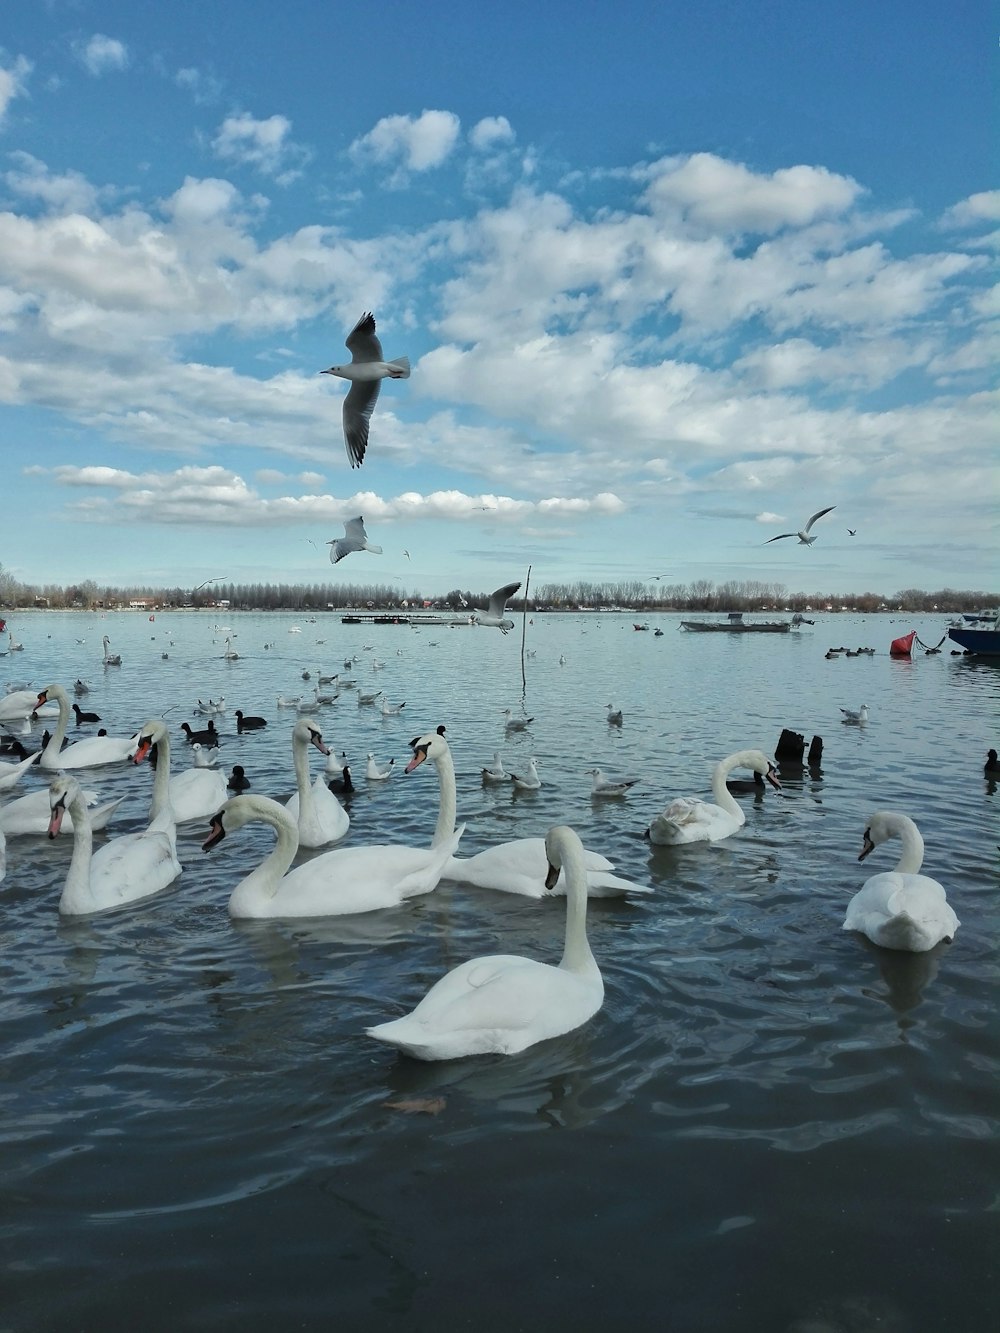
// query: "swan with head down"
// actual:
[[320, 817], [504, 1003], [690, 819], [900, 909], [89, 753], [346, 880], [123, 871]]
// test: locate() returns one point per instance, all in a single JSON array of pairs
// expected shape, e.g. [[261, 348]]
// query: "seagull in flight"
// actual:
[[493, 615], [803, 536], [366, 372], [851, 532], [354, 539]]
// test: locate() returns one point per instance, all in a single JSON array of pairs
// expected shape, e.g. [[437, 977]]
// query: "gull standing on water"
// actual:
[[493, 615], [366, 372], [354, 539], [803, 536]]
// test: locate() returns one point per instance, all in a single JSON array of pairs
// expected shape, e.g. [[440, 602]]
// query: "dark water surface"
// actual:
[[771, 1125]]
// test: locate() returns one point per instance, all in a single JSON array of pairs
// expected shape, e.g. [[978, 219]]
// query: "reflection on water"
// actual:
[[771, 1124]]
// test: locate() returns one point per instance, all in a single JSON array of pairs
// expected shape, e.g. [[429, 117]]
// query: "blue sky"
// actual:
[[670, 277]]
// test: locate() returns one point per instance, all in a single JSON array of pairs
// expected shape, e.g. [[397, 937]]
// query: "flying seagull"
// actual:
[[803, 536], [851, 532], [354, 539], [366, 372], [493, 615]]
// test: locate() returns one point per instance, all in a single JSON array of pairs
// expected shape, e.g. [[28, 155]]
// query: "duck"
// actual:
[[529, 779], [690, 819], [207, 736], [123, 871], [89, 753], [251, 723], [614, 715], [900, 909], [602, 786], [497, 773], [503, 1003], [238, 780], [857, 716], [375, 773], [191, 795], [81, 716], [110, 658], [346, 880], [518, 866], [319, 816], [992, 766]]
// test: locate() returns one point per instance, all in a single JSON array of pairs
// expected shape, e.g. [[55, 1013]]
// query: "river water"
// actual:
[[770, 1126]]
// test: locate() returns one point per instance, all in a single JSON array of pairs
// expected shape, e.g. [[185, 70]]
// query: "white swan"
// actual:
[[28, 815], [90, 753], [519, 867], [11, 774], [346, 880], [194, 794], [900, 909], [230, 655], [497, 773], [320, 817], [110, 658], [504, 1003], [18, 705], [123, 871], [690, 819]]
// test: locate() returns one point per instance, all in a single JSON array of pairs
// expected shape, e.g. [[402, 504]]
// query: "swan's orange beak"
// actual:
[[145, 745], [772, 777]]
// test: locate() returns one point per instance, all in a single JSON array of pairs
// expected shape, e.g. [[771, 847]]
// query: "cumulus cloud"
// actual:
[[491, 132], [264, 145], [409, 143], [101, 55], [976, 209], [13, 82], [67, 192]]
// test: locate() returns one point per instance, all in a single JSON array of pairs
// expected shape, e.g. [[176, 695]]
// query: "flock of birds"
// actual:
[[496, 1004]]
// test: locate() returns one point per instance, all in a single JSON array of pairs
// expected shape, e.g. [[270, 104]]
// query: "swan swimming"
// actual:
[[690, 819], [319, 816], [194, 794], [110, 658], [504, 1003], [346, 880], [366, 372], [89, 753], [900, 909], [519, 867], [123, 871]]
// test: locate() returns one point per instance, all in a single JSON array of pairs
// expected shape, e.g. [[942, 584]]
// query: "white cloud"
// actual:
[[102, 54], [491, 132], [412, 143], [69, 192], [13, 83], [264, 145], [203, 86], [976, 209]]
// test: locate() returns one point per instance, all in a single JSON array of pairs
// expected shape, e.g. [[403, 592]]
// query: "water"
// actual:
[[771, 1125]]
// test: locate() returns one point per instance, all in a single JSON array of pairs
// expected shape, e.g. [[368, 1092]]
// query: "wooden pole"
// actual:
[[524, 630]]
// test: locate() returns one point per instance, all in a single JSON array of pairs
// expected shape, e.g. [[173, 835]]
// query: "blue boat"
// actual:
[[985, 638]]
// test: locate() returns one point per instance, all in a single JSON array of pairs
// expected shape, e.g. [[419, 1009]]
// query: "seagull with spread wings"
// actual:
[[803, 536], [366, 372], [354, 539], [493, 615]]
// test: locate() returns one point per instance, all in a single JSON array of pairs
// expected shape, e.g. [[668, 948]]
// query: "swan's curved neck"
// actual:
[[445, 826], [161, 777], [77, 894], [911, 856], [721, 793], [301, 758], [51, 752], [577, 955], [263, 883]]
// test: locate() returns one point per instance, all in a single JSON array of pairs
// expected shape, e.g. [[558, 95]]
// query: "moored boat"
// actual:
[[985, 639], [735, 624]]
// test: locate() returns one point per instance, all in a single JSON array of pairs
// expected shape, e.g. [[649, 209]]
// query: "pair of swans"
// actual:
[[89, 753], [346, 880], [690, 819], [900, 909], [123, 871], [504, 1003]]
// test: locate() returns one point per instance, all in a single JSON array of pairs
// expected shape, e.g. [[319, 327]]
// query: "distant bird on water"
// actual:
[[992, 766], [366, 372], [493, 616], [803, 536], [354, 539]]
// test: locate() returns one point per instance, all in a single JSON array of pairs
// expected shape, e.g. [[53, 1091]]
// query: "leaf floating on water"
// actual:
[[417, 1105]]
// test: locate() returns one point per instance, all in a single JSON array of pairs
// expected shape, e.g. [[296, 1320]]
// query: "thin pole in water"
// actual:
[[524, 630]]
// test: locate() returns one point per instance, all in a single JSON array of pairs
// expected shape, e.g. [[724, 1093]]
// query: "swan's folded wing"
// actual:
[[685, 810]]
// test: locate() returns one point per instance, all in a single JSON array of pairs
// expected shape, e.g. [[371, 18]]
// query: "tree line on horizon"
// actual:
[[632, 595]]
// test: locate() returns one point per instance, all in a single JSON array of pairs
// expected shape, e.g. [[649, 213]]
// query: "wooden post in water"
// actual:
[[524, 630]]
